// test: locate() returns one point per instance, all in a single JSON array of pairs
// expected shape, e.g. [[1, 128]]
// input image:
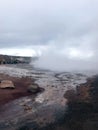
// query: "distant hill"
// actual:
[[6, 59]]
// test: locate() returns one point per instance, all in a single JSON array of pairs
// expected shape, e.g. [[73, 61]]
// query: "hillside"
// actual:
[[6, 59]]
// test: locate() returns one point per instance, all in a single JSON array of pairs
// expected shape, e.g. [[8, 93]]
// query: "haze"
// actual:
[[63, 33]]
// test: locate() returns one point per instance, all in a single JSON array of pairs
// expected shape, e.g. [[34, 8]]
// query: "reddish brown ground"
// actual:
[[83, 106], [21, 85]]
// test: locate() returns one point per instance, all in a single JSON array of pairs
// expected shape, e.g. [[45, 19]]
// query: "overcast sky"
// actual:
[[50, 28]]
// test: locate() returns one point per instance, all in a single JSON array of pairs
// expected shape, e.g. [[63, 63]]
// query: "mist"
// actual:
[[62, 33], [68, 58]]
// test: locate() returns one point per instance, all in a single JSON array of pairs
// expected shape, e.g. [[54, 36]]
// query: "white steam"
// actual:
[[67, 58]]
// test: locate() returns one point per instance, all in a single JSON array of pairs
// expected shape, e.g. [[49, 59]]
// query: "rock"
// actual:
[[7, 84], [34, 88], [27, 107]]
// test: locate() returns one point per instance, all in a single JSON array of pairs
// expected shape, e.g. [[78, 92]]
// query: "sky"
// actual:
[[63, 33]]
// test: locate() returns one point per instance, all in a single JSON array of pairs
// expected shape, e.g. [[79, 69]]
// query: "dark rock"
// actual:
[[34, 88]]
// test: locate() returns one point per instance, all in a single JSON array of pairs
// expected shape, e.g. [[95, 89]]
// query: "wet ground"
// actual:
[[51, 109], [21, 85]]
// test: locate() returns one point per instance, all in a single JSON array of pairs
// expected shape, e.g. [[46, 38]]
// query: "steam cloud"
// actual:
[[63, 32], [67, 59]]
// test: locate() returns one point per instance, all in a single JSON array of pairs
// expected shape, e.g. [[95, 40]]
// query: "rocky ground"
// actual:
[[48, 109], [82, 111]]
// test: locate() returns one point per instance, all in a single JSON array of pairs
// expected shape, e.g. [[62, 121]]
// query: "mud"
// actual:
[[65, 104], [21, 85]]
